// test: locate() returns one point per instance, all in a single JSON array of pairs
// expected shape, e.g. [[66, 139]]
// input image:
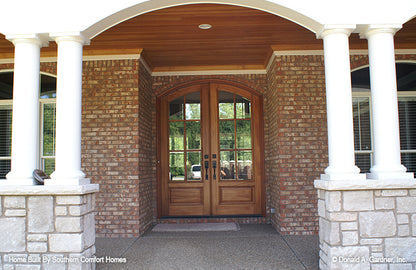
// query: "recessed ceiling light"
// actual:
[[205, 26]]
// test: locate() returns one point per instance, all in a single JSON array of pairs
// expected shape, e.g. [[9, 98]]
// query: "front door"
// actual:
[[210, 152]]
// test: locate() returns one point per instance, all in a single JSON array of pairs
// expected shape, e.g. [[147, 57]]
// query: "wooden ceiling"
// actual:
[[240, 38]]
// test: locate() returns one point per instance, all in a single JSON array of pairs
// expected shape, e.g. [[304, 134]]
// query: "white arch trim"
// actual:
[[147, 6]]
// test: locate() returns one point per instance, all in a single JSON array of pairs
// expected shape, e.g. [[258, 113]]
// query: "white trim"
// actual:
[[210, 72], [299, 52], [271, 61], [8, 188], [365, 185], [146, 66]]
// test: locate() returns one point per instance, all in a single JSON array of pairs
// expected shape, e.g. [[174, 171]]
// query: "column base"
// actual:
[[389, 175], [19, 180], [67, 181], [343, 176]]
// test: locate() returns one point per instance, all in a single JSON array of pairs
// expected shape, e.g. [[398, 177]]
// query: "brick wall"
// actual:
[[296, 152], [147, 151], [110, 141]]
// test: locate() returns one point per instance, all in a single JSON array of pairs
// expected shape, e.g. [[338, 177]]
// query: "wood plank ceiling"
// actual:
[[240, 38]]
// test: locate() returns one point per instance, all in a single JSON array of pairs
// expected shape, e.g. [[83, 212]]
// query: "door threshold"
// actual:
[[211, 217]]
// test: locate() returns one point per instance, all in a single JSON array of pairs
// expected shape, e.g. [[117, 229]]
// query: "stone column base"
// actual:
[[47, 227], [367, 224]]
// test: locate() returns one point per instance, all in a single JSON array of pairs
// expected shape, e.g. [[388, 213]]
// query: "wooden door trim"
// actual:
[[184, 88]]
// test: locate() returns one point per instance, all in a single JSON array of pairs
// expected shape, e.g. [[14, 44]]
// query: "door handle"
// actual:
[[214, 166], [206, 169]]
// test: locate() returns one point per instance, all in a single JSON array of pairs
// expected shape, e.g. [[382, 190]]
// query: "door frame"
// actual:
[[178, 87]]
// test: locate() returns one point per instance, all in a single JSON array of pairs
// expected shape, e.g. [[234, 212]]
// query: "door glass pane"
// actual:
[[227, 161], [177, 166], [176, 109], [243, 134], [227, 139], [193, 106], [176, 135], [244, 165], [242, 107], [193, 135], [193, 165], [226, 105]]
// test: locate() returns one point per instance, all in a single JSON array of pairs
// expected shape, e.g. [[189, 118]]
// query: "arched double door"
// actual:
[[210, 151]]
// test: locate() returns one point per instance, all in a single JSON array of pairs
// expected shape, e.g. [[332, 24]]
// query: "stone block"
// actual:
[[377, 224], [401, 266], [321, 208], [412, 192], [65, 242], [37, 238], [68, 224], [402, 219], [371, 241], [69, 200], [403, 230], [40, 214], [342, 216], [380, 266], [78, 210], [401, 248], [12, 234], [406, 204], [333, 201], [414, 225], [14, 202], [61, 211], [89, 230], [394, 192], [37, 247], [15, 212], [349, 238], [358, 200], [349, 226], [385, 203], [329, 232]]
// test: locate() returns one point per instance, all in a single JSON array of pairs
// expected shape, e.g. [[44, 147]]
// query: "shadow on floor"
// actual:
[[252, 247]]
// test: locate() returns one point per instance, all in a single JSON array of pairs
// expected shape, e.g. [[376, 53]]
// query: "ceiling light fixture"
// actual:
[[204, 26]]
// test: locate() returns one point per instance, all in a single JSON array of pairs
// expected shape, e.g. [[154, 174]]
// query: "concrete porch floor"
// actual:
[[252, 247]]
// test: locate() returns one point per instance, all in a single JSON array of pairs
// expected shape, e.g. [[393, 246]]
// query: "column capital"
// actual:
[[38, 39], [345, 29], [70, 36], [371, 29]]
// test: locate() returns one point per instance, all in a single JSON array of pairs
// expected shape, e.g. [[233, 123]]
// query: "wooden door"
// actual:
[[210, 152]]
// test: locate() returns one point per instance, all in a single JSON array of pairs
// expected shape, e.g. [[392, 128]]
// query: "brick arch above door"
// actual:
[[254, 82]]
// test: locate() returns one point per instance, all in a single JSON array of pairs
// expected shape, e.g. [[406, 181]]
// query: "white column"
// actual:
[[25, 122], [68, 112], [385, 116], [339, 106]]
